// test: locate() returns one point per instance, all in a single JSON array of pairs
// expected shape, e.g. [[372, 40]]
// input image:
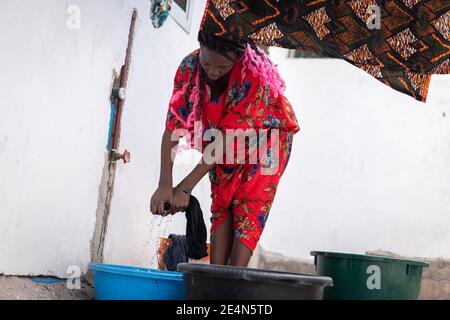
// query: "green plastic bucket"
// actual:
[[368, 277]]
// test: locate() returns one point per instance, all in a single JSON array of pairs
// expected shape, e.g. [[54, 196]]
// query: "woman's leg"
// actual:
[[221, 242], [253, 200], [240, 254]]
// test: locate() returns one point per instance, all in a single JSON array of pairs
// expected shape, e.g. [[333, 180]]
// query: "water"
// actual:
[[158, 229]]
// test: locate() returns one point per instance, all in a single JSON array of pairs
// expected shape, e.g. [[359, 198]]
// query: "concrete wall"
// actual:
[[55, 115], [133, 232], [53, 125], [368, 170]]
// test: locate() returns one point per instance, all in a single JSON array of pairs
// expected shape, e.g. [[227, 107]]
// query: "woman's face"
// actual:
[[215, 64]]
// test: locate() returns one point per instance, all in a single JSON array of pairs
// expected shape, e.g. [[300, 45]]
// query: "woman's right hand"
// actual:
[[162, 195]]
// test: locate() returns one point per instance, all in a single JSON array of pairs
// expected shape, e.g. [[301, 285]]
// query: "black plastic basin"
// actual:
[[217, 282]]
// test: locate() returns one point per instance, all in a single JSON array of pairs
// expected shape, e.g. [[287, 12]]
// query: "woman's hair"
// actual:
[[254, 59], [222, 45]]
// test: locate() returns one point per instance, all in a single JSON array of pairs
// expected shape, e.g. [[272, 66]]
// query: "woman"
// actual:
[[228, 85]]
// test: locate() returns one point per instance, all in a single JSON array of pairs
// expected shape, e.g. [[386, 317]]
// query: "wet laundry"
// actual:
[[193, 244]]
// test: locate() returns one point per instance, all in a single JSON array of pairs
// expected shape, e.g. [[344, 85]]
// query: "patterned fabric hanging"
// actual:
[[412, 43], [159, 12]]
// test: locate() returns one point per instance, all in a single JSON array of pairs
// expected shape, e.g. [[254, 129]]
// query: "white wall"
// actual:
[[361, 177], [133, 232], [54, 123], [370, 166], [368, 170]]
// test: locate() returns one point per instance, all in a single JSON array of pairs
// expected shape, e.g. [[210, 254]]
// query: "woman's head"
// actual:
[[214, 64], [218, 55]]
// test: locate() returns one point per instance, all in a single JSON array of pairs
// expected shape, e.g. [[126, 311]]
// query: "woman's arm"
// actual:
[[164, 192], [180, 199], [165, 173], [193, 178]]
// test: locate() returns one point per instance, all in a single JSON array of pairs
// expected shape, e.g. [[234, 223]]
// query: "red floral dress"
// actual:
[[241, 191]]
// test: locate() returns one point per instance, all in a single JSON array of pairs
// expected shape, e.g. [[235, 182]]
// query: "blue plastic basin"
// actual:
[[114, 282]]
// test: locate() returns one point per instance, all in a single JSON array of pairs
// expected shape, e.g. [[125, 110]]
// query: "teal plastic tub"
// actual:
[[369, 277], [114, 282]]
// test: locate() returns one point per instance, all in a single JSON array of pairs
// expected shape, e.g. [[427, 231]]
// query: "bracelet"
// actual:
[[179, 186]]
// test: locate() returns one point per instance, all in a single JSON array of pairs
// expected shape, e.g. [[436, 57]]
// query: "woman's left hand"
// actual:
[[180, 201]]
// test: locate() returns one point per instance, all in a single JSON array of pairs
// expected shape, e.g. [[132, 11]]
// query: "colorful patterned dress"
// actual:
[[242, 191], [398, 42]]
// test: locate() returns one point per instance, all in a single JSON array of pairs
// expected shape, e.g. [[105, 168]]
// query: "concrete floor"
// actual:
[[23, 288], [435, 282]]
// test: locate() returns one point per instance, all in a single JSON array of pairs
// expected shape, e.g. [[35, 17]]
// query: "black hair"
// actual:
[[224, 46], [254, 61]]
